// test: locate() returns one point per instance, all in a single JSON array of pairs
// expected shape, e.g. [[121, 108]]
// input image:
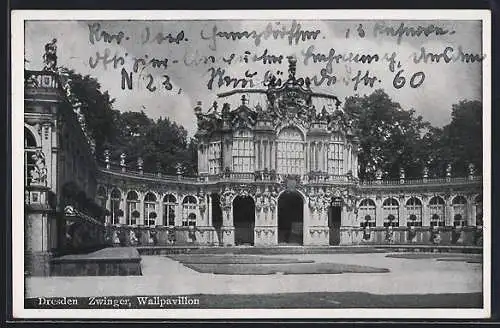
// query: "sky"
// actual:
[[189, 67]]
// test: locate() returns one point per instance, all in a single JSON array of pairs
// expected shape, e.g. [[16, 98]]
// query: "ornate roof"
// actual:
[[291, 100]]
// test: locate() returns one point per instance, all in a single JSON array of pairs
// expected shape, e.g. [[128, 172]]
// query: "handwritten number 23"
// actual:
[[167, 83]]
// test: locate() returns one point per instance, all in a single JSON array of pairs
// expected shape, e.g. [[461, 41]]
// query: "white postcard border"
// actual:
[[17, 113]]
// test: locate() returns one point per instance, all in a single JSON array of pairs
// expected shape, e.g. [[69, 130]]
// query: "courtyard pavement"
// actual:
[[163, 276]]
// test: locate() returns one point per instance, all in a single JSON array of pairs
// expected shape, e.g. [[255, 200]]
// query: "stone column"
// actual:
[[209, 209], [200, 158], [344, 233], [271, 155], [123, 206], [448, 212], [228, 226], [160, 209], [345, 161], [426, 220], [314, 156], [321, 156], [141, 218], [402, 213], [270, 152], [325, 156], [276, 156], [379, 213], [178, 212], [37, 231], [323, 168], [108, 218], [207, 156], [318, 159], [263, 153], [255, 156], [472, 219], [307, 156], [355, 167]]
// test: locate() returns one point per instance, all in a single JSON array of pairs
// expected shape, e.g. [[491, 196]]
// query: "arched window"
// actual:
[[458, 221], [192, 219], [115, 206], [189, 200], [290, 152], [214, 157], [169, 205], [459, 204], [367, 213], [133, 213], [30, 148], [336, 155], [479, 210], [414, 211], [150, 209], [243, 153], [188, 207], [102, 197], [436, 211], [390, 210]]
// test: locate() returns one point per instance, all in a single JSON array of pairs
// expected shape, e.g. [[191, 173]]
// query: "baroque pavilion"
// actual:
[[280, 170]]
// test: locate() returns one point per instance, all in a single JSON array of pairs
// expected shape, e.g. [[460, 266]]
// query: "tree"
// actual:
[[436, 151], [390, 137], [463, 137], [96, 107], [162, 144], [165, 146]]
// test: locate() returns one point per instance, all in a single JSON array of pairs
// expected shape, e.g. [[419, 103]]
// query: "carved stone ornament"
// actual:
[[69, 211], [39, 171], [123, 156]]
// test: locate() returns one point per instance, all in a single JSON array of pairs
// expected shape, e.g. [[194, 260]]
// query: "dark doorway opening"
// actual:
[[244, 220], [290, 218], [334, 222], [217, 216]]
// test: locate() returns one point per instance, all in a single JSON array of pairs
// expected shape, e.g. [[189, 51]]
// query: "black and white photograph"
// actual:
[[251, 164]]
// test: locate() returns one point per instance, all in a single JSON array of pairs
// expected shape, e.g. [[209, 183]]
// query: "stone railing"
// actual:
[[437, 236], [422, 181], [311, 178], [156, 176], [123, 235]]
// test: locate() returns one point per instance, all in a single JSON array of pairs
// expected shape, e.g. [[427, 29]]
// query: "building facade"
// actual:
[[284, 171], [275, 166], [61, 215]]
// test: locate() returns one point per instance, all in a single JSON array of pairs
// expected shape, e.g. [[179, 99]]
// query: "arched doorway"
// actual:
[[290, 218], [244, 220], [217, 216], [334, 220]]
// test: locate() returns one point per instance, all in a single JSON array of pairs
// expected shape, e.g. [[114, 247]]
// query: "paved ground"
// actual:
[[163, 276]]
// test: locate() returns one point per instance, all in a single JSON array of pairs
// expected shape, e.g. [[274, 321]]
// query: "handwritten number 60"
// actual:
[[421, 77], [399, 81]]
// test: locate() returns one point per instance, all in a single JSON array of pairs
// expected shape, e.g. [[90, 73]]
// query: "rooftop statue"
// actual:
[[50, 56]]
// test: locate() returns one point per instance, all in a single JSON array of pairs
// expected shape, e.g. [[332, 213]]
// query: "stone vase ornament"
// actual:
[[412, 233], [389, 235], [456, 235], [366, 233], [435, 236]]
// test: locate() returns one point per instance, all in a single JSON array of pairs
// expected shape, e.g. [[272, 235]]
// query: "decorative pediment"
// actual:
[[243, 117]]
